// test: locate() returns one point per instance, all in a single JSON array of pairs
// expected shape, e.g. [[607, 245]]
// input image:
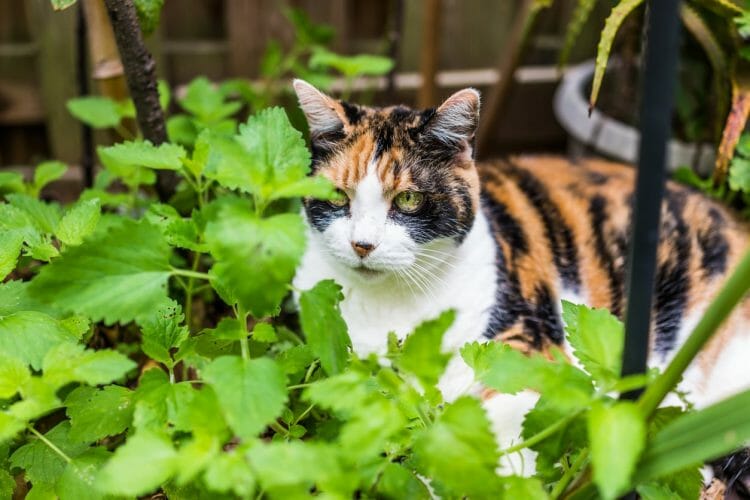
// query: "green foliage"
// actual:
[[325, 329], [149, 12]]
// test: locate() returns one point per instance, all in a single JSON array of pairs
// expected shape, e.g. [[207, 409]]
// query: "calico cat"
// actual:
[[421, 228]]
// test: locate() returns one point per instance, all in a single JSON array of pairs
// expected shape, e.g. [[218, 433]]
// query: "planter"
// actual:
[[610, 137]]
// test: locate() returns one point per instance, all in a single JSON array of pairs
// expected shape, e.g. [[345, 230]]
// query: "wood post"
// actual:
[[430, 53]]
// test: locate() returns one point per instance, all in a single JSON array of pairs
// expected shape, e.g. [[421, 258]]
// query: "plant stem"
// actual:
[[297, 386], [189, 291], [540, 436], [49, 443], [569, 475], [191, 274], [244, 346], [304, 414], [310, 370], [278, 428], [728, 297]]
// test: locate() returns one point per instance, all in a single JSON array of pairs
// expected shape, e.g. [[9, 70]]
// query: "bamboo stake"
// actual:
[[430, 53]]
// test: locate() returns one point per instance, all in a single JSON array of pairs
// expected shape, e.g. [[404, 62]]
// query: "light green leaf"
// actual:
[[351, 66], [162, 331], [697, 437], [396, 481], [62, 4], [618, 435], [10, 248], [149, 12], [28, 336], [95, 111], [506, 370], [206, 102], [47, 172], [597, 338], [97, 413], [149, 459], [78, 480], [655, 491], [256, 258], [421, 354], [739, 175], [40, 463], [70, 362], [325, 329], [11, 182], [14, 373], [43, 216], [181, 130], [144, 154], [178, 231], [264, 332], [79, 222], [14, 297], [251, 392], [458, 451], [117, 275], [7, 485], [231, 472]]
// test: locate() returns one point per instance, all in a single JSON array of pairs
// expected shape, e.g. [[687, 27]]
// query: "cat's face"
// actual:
[[409, 188]]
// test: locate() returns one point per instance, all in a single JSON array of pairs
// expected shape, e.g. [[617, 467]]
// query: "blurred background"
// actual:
[[238, 56]]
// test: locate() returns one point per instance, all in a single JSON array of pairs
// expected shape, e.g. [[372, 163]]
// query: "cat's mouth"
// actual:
[[368, 272]]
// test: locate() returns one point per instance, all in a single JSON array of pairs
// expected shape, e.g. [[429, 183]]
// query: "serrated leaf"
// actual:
[[251, 392], [97, 413], [351, 66], [144, 154], [43, 216], [597, 338], [29, 335], [40, 463], [116, 275], [78, 480], [206, 102], [324, 327], [396, 481], [506, 370], [14, 373], [619, 427], [458, 451], [264, 332], [47, 172], [256, 258], [578, 19], [70, 362], [178, 231], [149, 459], [95, 111], [10, 248], [163, 331], [421, 354], [79, 222], [7, 485]]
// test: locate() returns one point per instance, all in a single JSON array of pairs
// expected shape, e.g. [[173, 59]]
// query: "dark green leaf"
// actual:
[[41, 464], [29, 335], [325, 329], [79, 222], [98, 413], [149, 12], [163, 331], [422, 355]]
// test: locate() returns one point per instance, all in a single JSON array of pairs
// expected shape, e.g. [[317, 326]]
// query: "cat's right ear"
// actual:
[[323, 113]]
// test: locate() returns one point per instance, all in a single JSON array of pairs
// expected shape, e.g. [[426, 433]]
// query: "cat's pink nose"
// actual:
[[362, 248]]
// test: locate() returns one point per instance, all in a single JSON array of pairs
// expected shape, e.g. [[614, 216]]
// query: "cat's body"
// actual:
[[419, 233]]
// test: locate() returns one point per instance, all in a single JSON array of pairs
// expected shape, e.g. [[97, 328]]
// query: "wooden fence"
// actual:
[[226, 38]]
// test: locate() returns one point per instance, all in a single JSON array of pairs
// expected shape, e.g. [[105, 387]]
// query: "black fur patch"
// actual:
[[353, 112], [558, 233], [713, 245], [672, 280], [598, 215], [321, 214], [508, 228]]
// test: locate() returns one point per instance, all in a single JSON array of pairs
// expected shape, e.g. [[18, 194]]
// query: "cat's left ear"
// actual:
[[456, 120]]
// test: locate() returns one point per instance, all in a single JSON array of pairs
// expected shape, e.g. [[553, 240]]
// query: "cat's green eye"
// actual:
[[341, 199], [409, 201]]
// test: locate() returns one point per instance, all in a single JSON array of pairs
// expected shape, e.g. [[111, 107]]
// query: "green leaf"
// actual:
[[117, 275], [615, 19], [181, 130], [47, 172], [697, 437], [11, 182], [10, 247], [95, 111], [396, 481], [79, 222], [421, 354], [458, 451], [28, 336], [325, 329], [206, 102], [597, 338], [70, 362], [256, 258], [231, 472], [148, 12], [269, 160], [7, 485], [618, 436], [149, 459], [43, 216], [62, 4], [14, 373], [578, 19], [163, 331], [144, 154], [351, 66], [97, 413], [739, 175], [40, 463], [506, 370], [264, 332], [78, 480], [178, 231], [251, 392], [655, 491], [14, 297]]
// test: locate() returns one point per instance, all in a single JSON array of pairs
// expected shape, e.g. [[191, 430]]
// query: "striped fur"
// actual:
[[502, 243]]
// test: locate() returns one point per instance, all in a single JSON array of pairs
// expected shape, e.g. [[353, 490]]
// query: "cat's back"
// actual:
[[563, 227]]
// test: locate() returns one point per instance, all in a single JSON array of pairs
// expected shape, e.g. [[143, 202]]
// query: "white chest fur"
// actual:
[[465, 283]]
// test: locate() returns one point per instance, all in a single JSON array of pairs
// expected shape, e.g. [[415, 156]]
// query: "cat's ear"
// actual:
[[322, 112], [455, 121]]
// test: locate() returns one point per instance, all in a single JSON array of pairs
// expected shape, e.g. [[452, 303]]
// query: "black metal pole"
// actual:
[[659, 79], [87, 140]]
